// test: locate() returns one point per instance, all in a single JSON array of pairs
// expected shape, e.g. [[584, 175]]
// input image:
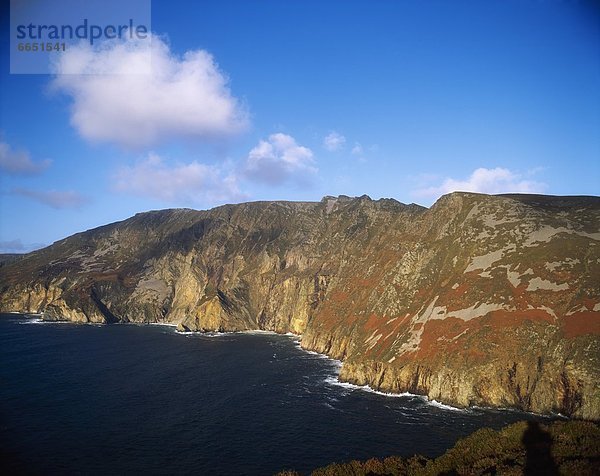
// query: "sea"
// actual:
[[132, 399]]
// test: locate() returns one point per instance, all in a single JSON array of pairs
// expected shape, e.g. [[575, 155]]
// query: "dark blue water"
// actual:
[[131, 399]]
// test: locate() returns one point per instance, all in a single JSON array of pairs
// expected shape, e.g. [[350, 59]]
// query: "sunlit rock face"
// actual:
[[479, 300]]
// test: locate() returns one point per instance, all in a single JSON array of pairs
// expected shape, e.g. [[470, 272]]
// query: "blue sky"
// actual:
[[297, 100]]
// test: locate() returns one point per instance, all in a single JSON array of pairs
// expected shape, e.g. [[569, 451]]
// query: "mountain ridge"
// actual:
[[478, 300]]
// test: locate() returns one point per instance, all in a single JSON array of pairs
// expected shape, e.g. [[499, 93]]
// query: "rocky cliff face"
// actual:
[[479, 300]]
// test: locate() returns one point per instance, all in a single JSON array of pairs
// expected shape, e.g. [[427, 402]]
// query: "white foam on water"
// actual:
[[367, 388], [40, 321], [259, 332], [213, 335], [337, 363], [210, 334], [316, 354], [337, 383], [227, 333], [443, 406], [518, 410], [33, 321]]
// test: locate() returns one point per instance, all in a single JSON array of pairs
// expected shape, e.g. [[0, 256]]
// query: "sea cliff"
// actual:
[[478, 300]]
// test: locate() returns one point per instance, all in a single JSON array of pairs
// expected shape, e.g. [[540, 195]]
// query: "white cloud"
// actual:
[[278, 160], [334, 141], [12, 246], [54, 198], [137, 106], [357, 149], [192, 183], [17, 246], [19, 162], [482, 180]]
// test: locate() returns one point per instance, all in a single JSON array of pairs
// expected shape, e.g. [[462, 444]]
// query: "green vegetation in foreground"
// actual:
[[569, 448]]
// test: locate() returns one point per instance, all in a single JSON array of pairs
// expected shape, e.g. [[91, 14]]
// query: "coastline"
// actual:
[[297, 342]]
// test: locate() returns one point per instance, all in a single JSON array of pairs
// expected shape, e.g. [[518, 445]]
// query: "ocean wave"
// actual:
[[337, 363], [227, 333], [259, 332], [40, 321], [443, 406], [209, 335], [32, 321], [367, 388]]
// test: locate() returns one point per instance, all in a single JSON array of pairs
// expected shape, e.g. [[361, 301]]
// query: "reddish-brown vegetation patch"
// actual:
[[503, 318], [520, 290], [374, 322], [441, 333], [581, 323], [339, 296]]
